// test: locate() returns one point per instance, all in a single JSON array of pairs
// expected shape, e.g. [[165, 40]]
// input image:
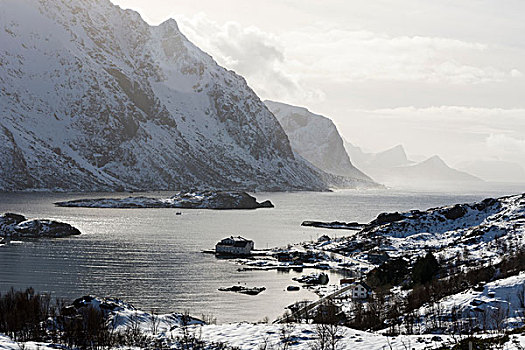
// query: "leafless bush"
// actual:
[[286, 335], [328, 337]]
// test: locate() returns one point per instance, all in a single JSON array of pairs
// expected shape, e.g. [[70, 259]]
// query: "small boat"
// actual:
[[178, 213], [293, 288]]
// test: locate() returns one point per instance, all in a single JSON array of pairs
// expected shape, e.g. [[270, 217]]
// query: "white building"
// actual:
[[360, 290], [234, 246]]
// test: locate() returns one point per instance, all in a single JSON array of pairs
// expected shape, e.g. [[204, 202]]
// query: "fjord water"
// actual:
[[152, 257]]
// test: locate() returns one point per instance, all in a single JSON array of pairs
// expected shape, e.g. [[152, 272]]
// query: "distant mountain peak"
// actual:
[[316, 138], [392, 157], [435, 160]]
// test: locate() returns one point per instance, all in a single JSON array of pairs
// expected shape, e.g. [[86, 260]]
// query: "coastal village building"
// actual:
[[234, 246], [360, 290]]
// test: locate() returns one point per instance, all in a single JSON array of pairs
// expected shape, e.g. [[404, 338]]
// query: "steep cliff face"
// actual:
[[315, 138], [93, 98]]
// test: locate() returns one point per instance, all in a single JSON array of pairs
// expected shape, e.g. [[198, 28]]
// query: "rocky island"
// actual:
[[185, 200], [17, 226]]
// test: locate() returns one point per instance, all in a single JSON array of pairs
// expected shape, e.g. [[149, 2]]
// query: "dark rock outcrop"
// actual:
[[17, 226], [385, 218], [455, 212]]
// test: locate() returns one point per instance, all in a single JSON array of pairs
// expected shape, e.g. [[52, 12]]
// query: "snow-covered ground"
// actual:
[[501, 304], [247, 336], [484, 231]]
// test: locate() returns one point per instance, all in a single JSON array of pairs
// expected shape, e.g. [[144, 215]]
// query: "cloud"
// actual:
[[324, 65], [293, 63], [258, 56], [351, 56], [506, 146]]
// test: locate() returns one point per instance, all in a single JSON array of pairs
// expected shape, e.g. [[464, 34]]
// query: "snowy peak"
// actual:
[[170, 24], [315, 138]]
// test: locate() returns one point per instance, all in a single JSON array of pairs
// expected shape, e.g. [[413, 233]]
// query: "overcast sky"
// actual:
[[439, 77]]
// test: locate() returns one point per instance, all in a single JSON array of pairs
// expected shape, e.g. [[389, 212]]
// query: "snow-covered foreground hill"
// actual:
[[94, 98], [483, 232], [179, 331]]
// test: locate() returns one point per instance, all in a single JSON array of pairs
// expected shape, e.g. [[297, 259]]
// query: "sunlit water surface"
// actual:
[[152, 257]]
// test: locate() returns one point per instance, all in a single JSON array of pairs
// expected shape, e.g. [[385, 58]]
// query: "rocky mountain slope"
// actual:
[[315, 138], [94, 98]]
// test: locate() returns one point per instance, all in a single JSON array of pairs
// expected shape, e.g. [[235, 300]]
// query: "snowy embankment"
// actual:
[[496, 305], [187, 200]]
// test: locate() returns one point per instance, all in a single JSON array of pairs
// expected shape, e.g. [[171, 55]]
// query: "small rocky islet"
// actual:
[[180, 200], [18, 226]]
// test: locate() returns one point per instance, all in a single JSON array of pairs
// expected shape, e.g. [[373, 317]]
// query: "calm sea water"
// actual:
[[152, 257]]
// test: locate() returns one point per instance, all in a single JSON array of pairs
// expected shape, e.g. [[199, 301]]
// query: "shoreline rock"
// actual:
[[180, 200]]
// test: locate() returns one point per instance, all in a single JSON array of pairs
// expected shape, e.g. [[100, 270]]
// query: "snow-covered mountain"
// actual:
[[94, 98], [393, 167], [316, 139]]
